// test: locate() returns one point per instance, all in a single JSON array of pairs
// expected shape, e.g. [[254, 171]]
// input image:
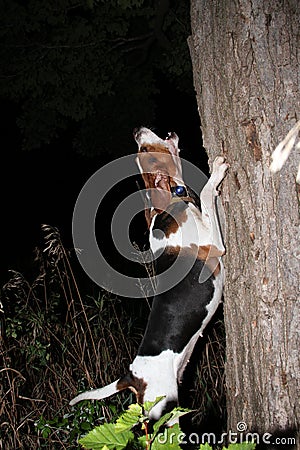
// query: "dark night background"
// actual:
[[58, 126], [76, 77]]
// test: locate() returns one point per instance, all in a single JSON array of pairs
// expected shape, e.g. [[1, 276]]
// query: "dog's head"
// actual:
[[160, 166]]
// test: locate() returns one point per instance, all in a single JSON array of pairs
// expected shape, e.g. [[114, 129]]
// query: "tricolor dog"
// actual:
[[184, 231]]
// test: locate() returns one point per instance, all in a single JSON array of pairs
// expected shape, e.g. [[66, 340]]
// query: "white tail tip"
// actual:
[[96, 394]]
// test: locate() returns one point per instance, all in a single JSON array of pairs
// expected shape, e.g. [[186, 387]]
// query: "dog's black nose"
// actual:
[[136, 131]]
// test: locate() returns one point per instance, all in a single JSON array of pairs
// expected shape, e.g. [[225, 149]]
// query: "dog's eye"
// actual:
[[143, 150]]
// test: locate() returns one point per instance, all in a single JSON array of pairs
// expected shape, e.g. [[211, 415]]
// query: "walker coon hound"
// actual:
[[182, 230]]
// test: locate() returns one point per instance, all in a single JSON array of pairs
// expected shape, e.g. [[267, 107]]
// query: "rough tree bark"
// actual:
[[246, 61]]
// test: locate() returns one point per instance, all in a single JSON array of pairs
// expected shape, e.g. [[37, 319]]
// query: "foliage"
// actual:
[[71, 424], [54, 342], [77, 66], [128, 427], [132, 430]]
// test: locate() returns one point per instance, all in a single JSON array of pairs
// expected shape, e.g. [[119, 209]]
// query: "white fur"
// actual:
[[208, 198], [147, 136], [96, 394], [138, 164], [218, 283], [193, 231], [199, 229], [159, 372]]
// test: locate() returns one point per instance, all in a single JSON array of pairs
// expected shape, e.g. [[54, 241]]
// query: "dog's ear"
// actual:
[[173, 140]]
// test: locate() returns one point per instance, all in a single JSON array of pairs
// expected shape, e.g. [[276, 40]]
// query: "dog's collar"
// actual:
[[181, 199], [179, 194]]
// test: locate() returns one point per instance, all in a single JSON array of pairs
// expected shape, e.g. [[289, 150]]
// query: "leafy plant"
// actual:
[[132, 427], [132, 430], [77, 422], [53, 343]]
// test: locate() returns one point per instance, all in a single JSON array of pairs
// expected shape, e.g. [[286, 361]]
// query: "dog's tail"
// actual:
[[97, 394]]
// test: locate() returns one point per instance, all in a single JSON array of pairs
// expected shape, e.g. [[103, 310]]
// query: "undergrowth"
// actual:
[[134, 430], [56, 342]]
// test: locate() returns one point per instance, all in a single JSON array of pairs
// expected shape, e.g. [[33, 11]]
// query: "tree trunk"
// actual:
[[246, 63]]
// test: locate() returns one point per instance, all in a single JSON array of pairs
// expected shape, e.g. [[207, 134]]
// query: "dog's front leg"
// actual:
[[208, 203]]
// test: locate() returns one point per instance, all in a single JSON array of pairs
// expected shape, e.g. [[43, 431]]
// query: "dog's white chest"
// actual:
[[190, 232]]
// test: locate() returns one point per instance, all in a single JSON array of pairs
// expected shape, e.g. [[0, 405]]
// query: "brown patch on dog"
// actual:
[[173, 227], [148, 148], [175, 222], [136, 385], [209, 251], [158, 171], [214, 265], [156, 159], [160, 193], [209, 254], [148, 216]]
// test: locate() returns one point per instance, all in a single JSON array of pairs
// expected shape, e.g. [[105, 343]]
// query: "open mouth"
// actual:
[[161, 191], [162, 181]]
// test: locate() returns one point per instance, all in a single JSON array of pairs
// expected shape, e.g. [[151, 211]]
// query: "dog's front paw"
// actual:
[[220, 167], [220, 162]]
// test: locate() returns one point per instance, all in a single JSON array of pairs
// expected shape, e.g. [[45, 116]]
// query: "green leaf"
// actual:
[[143, 441], [105, 435], [149, 405], [205, 447], [178, 412], [129, 418], [85, 426], [168, 440], [169, 417]]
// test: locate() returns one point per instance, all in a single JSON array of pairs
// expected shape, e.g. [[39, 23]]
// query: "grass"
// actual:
[[55, 342]]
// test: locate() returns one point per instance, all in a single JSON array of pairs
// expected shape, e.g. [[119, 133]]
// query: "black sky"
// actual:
[[41, 186]]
